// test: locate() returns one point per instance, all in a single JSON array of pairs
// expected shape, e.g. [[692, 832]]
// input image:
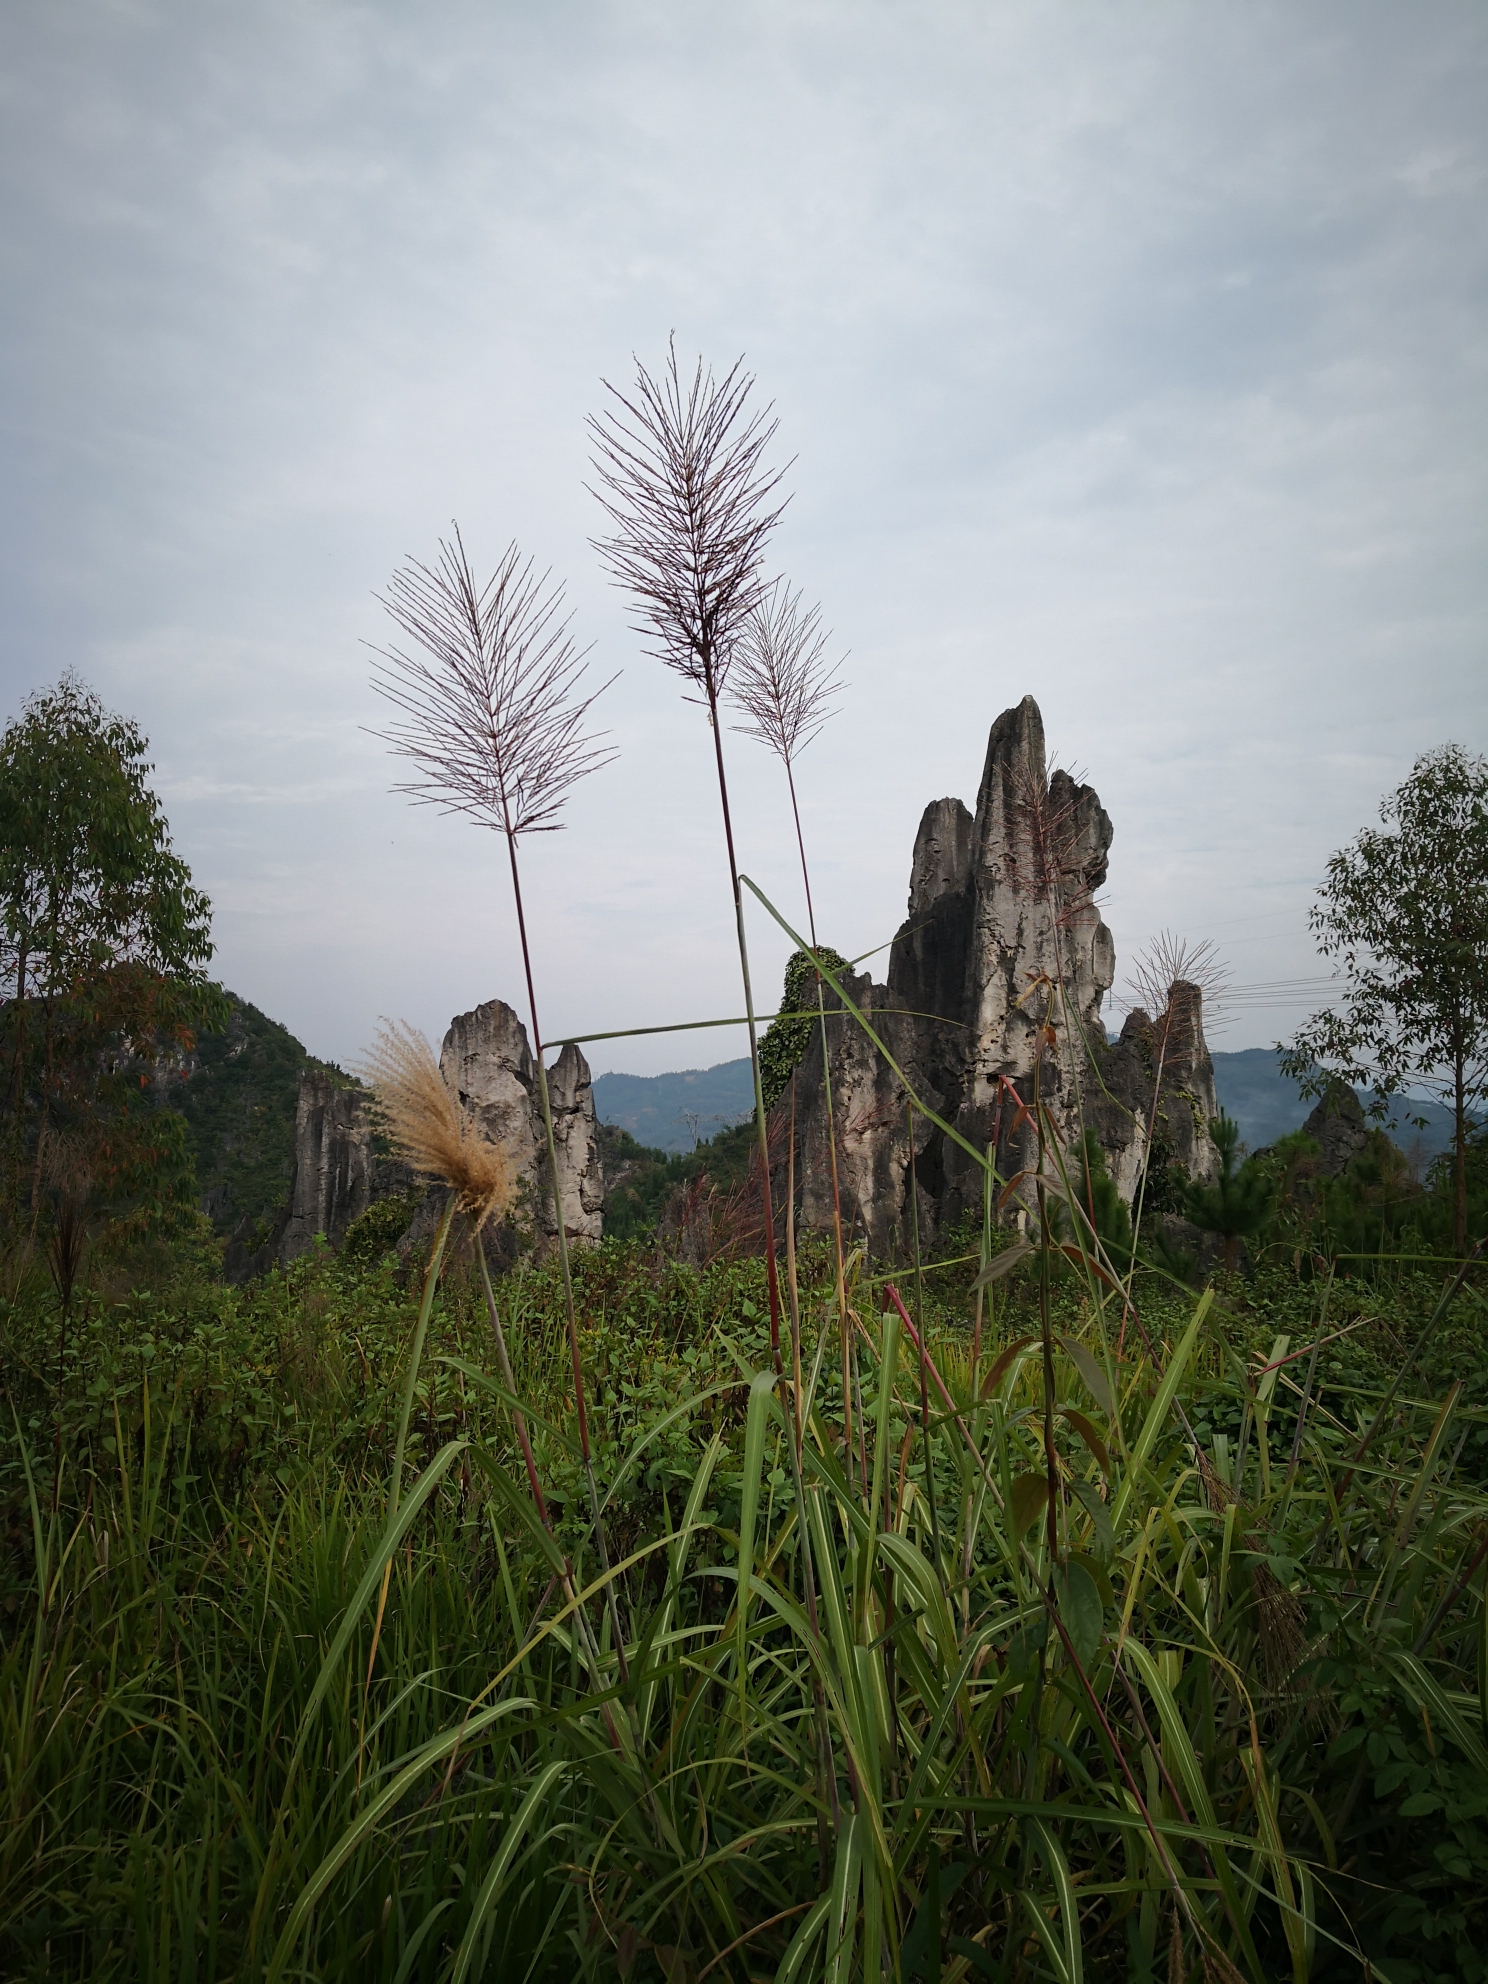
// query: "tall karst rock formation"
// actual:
[[997, 976]]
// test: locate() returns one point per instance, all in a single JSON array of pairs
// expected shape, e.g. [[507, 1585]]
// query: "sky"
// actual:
[[1129, 357]]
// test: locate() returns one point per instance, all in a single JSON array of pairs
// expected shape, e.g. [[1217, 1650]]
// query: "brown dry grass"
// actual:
[[427, 1125]]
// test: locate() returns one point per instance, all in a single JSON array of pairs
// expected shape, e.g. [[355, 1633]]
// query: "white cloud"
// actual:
[[1136, 359]]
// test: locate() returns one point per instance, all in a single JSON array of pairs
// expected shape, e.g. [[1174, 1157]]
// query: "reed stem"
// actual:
[[570, 1312]]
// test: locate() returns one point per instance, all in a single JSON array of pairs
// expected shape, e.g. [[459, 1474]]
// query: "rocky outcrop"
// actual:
[[486, 1060], [1151, 1097], [995, 987], [340, 1165], [1339, 1129]]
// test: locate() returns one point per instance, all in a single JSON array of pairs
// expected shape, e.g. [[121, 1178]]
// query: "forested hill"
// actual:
[[1266, 1105], [237, 1090]]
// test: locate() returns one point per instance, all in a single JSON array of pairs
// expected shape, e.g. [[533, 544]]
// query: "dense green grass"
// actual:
[[1255, 1725]]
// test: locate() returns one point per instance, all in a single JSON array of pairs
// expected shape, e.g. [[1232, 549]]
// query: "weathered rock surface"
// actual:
[[340, 1166], [1152, 1093], [486, 1059], [340, 1169], [995, 986], [1339, 1129]]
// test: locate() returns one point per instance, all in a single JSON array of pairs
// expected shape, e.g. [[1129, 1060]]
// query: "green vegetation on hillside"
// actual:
[[104, 943], [641, 1183], [237, 1093]]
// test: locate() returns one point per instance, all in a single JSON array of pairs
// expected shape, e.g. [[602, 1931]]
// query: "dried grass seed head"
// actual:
[[781, 678], [1179, 984], [490, 703], [427, 1126], [681, 475]]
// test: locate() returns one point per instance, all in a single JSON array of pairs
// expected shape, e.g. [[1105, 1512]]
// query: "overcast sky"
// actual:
[[1133, 357]]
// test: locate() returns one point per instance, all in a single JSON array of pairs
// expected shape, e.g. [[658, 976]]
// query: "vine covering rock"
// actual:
[[790, 1034]]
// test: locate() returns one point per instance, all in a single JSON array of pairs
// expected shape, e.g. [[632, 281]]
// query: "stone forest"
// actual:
[[980, 1516], [1002, 921]]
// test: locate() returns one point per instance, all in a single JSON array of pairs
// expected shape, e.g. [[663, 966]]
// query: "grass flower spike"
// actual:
[[428, 1128]]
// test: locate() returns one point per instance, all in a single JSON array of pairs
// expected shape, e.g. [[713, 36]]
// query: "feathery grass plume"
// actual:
[[784, 683], [1169, 963], [492, 715], [782, 679], [683, 479], [489, 709], [1175, 982], [428, 1127]]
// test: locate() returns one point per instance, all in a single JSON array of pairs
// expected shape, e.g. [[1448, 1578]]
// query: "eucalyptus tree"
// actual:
[[1404, 911], [103, 935]]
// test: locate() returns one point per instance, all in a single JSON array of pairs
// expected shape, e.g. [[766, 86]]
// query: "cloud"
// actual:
[[1134, 359]]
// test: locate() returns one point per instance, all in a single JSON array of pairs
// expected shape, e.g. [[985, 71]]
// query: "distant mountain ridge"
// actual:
[[663, 1110], [674, 1112]]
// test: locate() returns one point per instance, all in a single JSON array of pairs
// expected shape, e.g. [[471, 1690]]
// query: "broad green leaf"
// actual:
[[1004, 1263], [1098, 1576], [1089, 1435], [1091, 1375], [1079, 1600], [1002, 1363], [1091, 1499], [1030, 1499]]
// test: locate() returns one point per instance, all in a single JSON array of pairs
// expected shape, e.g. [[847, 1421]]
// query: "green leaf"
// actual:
[[756, 1423], [1029, 1499], [1090, 1497], [1079, 1600], [1004, 1263], [1005, 1358], [1091, 1374], [1161, 1405], [1098, 1575], [1089, 1435]]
